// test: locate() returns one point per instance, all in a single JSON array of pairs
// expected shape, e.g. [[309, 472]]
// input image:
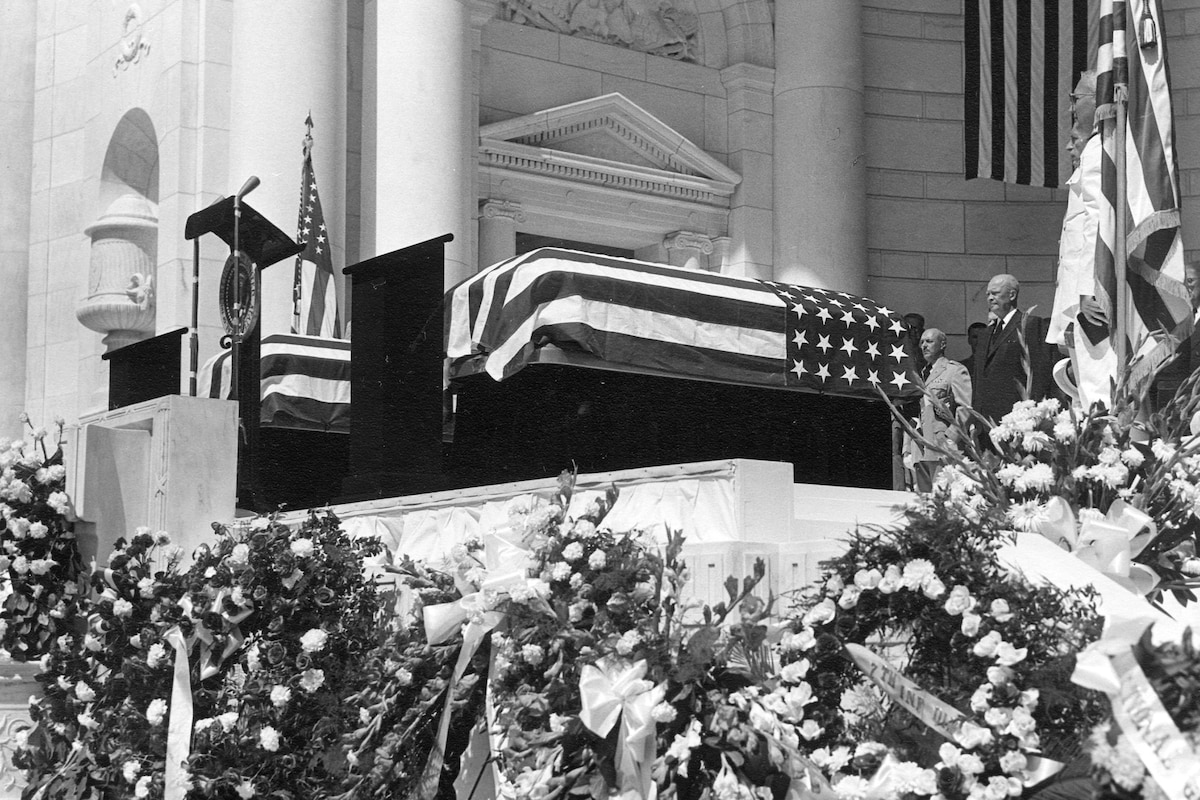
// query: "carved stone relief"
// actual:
[[659, 27], [133, 44]]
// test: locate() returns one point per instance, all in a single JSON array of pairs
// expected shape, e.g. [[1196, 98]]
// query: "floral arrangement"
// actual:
[[599, 676], [274, 623], [936, 672], [40, 558], [1113, 489]]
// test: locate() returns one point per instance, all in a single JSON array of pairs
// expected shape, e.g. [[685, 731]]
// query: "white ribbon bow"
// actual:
[[614, 689], [1109, 545]]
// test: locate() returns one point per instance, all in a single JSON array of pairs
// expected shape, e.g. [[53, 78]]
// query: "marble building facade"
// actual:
[[816, 142]]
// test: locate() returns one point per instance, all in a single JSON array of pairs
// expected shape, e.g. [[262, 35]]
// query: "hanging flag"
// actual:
[[1023, 57], [314, 296], [1133, 50]]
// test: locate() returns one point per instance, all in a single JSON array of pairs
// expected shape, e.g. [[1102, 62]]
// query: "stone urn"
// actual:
[[120, 299]]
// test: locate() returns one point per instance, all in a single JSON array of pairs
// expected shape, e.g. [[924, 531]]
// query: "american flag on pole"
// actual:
[[1158, 302], [664, 320], [315, 309], [1022, 58]]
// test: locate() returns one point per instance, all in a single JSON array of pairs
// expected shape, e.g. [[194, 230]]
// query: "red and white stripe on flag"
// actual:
[[1158, 302], [316, 293], [1022, 59]]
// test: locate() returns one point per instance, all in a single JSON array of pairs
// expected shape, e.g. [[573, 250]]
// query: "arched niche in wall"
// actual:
[[124, 252]]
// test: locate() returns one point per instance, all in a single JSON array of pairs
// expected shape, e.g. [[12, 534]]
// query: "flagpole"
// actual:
[[1120, 324]]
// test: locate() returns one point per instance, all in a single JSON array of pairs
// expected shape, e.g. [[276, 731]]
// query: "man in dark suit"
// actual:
[[974, 334], [1000, 378]]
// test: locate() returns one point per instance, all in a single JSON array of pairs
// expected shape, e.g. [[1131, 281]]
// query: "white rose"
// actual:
[[1000, 610], [986, 647], [314, 640], [156, 711], [867, 578], [312, 679], [240, 554], [303, 548], [155, 655], [280, 695], [1007, 655], [268, 738], [849, 598], [960, 600], [821, 613]]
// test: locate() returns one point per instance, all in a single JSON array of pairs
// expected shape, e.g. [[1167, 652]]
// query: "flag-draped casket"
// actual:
[[660, 320], [305, 382], [561, 358]]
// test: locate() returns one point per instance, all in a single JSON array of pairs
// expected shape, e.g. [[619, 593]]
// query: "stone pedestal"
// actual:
[[168, 464], [16, 687]]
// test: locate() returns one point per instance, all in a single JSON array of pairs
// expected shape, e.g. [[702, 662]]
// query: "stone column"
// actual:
[[423, 134], [18, 46], [498, 230], [289, 59], [820, 151], [748, 90]]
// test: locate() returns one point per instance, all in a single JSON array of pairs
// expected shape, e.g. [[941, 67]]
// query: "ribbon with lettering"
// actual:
[[475, 615], [615, 690], [1109, 544], [1148, 726], [938, 715]]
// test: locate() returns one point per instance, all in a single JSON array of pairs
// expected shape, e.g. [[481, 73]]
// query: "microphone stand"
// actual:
[[236, 341]]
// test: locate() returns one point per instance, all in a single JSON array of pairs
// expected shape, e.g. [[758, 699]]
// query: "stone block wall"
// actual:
[[934, 239]]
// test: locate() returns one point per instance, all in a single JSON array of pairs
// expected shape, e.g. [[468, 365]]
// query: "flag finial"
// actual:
[[308, 140]]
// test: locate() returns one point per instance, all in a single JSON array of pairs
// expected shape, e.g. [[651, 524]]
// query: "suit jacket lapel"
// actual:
[[1008, 332]]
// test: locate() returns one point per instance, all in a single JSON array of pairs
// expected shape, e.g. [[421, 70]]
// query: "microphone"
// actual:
[[249, 186]]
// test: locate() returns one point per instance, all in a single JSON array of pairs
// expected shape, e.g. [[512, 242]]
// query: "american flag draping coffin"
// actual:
[[663, 320], [305, 382]]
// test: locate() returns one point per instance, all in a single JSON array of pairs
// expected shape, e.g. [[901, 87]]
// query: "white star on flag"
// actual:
[[814, 323]]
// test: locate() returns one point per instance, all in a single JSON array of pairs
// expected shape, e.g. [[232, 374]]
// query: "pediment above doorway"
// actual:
[[608, 141]]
